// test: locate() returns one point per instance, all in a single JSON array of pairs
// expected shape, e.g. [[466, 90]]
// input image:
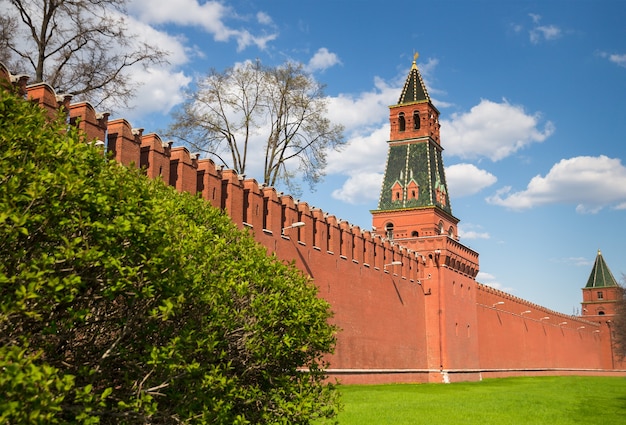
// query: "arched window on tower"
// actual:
[[416, 120], [401, 122], [412, 190], [396, 192], [389, 231]]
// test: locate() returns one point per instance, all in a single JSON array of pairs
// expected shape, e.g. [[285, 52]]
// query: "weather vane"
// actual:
[[415, 56]]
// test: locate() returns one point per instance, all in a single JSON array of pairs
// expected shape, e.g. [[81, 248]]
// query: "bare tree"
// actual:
[[220, 112], [283, 106], [82, 47]]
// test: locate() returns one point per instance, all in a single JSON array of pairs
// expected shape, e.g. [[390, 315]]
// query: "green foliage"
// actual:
[[122, 301], [32, 391]]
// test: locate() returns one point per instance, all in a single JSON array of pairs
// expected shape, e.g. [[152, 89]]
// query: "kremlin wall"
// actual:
[[407, 303]]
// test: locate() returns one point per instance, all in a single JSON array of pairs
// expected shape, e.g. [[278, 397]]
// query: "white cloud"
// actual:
[[162, 89], [617, 59], [492, 130], [542, 32], [264, 19], [360, 154], [574, 261], [471, 231], [590, 183], [359, 114], [467, 179], [174, 45], [360, 161], [322, 60], [360, 188], [484, 276], [427, 70], [211, 16], [159, 87], [489, 280]]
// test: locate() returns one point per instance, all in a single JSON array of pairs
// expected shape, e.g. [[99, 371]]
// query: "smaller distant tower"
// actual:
[[601, 294]]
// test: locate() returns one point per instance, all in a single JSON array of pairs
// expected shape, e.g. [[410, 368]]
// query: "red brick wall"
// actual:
[[512, 341], [425, 319]]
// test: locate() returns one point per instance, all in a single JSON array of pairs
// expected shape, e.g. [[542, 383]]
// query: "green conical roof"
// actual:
[[414, 90], [415, 167], [600, 276]]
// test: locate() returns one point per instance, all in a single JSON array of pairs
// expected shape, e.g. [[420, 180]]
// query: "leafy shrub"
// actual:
[[122, 301]]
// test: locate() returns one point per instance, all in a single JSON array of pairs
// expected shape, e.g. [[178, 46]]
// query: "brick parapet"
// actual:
[[232, 196], [253, 205], [124, 142], [84, 116], [5, 76], [183, 170], [155, 157], [46, 97], [305, 215], [210, 182], [13, 82]]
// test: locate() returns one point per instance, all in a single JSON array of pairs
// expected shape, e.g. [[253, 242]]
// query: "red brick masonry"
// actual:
[[424, 320]]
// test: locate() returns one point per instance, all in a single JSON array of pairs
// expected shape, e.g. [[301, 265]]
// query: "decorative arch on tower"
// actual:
[[389, 230], [401, 122]]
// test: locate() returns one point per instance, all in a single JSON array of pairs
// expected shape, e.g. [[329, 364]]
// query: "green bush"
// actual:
[[122, 301]]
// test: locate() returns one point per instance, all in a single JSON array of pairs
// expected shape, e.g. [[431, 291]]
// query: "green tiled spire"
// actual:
[[418, 168], [601, 276], [414, 90]]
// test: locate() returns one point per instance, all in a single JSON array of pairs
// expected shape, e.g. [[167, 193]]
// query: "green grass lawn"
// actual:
[[540, 400]]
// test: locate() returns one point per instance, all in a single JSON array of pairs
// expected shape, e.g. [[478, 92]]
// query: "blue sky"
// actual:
[[532, 96]]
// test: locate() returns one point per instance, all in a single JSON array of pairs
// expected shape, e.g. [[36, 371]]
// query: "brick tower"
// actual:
[[601, 294], [414, 199], [600, 302], [414, 212]]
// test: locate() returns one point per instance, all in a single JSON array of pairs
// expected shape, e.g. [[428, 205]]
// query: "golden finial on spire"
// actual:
[[415, 56]]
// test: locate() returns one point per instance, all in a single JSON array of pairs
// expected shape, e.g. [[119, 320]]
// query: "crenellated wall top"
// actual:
[[525, 303], [131, 146]]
